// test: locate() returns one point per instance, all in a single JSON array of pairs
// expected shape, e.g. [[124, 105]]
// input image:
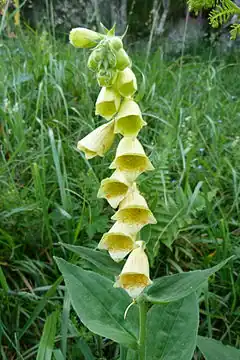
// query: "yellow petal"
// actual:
[[135, 273], [129, 119], [98, 142], [114, 189], [119, 241], [131, 158], [123, 59], [108, 103], [84, 38], [126, 82], [134, 211]]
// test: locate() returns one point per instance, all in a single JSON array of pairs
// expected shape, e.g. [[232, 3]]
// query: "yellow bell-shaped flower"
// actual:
[[98, 142], [123, 60], [129, 119], [135, 273], [84, 38], [134, 211], [108, 103], [131, 158], [126, 82], [114, 189], [118, 241]]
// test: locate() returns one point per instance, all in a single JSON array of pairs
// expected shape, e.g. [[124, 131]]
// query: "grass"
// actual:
[[48, 189]]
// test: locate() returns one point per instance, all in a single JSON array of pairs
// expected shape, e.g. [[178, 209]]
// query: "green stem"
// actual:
[[142, 329]]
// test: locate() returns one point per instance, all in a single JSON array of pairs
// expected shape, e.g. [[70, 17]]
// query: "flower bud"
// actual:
[[131, 158], [129, 119], [134, 277], [116, 43], [114, 189], [95, 58], [92, 63], [108, 103], [119, 241], [126, 82], [123, 59], [98, 142], [134, 211], [106, 77], [84, 38]]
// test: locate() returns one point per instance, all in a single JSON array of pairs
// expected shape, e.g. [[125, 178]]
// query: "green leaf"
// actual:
[[215, 350], [132, 355], [40, 306], [58, 354], [45, 349], [99, 305], [171, 288], [172, 330], [85, 349], [99, 259]]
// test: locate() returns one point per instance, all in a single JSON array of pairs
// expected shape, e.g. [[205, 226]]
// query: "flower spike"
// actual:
[[98, 142], [129, 119], [114, 189], [135, 273], [119, 241], [134, 211]]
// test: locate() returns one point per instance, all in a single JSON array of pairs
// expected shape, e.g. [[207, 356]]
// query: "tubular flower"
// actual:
[[131, 158], [114, 189], [108, 103], [98, 142], [84, 38], [126, 82], [134, 211], [135, 273], [119, 241], [123, 59], [129, 119]]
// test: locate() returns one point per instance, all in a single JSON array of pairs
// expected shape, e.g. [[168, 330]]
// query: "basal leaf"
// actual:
[[99, 305], [215, 350], [171, 288], [172, 330]]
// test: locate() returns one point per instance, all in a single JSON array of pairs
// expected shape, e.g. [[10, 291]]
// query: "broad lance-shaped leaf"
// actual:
[[175, 287], [99, 305], [172, 330], [215, 350], [99, 259]]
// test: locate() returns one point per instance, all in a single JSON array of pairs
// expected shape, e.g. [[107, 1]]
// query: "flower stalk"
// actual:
[[116, 102]]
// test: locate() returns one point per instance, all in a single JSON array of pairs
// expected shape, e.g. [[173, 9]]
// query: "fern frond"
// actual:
[[197, 5], [222, 13], [235, 31]]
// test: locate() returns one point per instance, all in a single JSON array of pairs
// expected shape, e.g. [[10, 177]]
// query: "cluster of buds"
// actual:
[[115, 103]]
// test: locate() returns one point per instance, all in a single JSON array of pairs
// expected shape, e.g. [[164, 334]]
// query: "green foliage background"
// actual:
[[48, 189]]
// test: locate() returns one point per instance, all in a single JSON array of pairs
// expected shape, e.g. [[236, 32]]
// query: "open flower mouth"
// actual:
[[88, 153], [118, 242], [107, 109], [134, 283], [127, 89], [114, 188], [132, 162], [128, 125], [136, 215]]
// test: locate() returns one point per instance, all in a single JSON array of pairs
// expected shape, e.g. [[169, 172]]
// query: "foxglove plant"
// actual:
[[166, 325]]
